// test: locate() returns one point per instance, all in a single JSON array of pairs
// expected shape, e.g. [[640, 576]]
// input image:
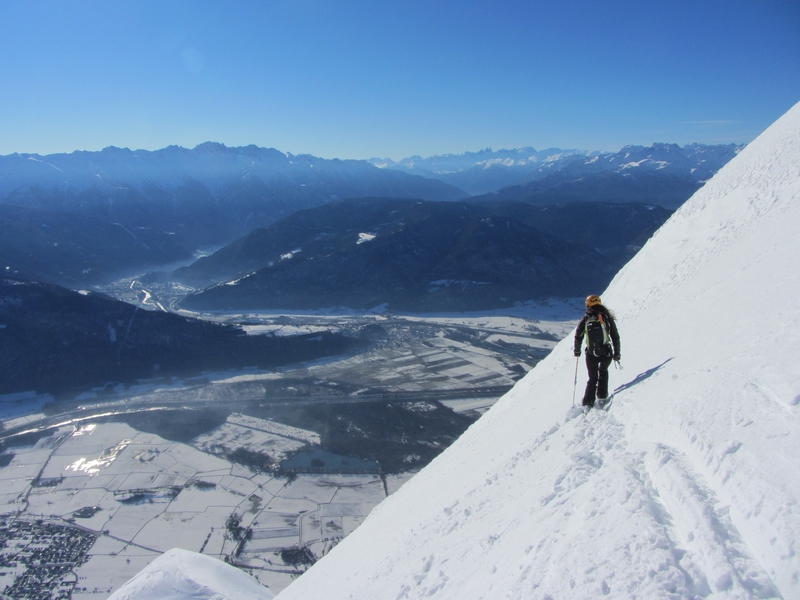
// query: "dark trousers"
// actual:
[[597, 386]]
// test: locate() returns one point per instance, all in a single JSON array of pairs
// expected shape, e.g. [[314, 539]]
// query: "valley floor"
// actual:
[[140, 492]]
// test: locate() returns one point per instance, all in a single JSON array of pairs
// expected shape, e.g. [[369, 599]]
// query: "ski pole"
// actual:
[[575, 384]]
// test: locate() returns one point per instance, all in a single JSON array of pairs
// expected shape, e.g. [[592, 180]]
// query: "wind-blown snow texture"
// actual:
[[688, 487], [182, 575]]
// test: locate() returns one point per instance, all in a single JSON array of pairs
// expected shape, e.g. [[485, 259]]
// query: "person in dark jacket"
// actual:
[[599, 359]]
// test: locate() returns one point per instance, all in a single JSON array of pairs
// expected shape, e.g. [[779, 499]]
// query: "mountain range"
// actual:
[[84, 218], [486, 170], [489, 171], [207, 195]]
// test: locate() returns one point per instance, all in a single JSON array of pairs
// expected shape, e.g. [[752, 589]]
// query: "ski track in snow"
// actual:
[[708, 546]]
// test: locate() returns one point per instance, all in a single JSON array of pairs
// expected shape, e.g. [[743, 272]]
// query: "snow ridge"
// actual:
[[686, 488], [180, 574]]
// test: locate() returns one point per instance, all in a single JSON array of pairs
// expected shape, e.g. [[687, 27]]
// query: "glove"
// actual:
[[617, 357], [577, 352]]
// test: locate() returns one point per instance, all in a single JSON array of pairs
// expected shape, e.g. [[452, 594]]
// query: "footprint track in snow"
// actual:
[[593, 437]]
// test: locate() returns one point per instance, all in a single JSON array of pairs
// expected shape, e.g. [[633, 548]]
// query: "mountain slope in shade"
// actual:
[[55, 340], [422, 256], [686, 488], [617, 231], [652, 187], [180, 574], [70, 249]]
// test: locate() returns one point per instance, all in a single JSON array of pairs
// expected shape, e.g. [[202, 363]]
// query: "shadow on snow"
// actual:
[[641, 377]]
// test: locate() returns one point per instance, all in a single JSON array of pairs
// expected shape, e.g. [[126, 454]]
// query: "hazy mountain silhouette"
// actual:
[[210, 194]]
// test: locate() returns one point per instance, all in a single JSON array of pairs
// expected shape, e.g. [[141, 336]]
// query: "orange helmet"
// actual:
[[593, 300]]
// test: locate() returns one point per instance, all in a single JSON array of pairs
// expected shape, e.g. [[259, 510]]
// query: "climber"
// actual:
[[598, 328]]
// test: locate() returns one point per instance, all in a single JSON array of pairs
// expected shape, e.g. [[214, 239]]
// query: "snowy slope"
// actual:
[[181, 575], [688, 487]]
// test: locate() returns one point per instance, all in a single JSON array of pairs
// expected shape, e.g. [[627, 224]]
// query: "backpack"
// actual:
[[597, 339]]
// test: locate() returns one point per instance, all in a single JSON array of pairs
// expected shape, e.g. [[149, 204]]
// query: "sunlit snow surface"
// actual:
[[180, 574], [94, 466], [688, 487]]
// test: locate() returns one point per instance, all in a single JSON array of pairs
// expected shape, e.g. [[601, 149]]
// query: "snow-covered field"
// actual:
[[276, 440], [410, 360], [442, 361], [148, 495], [686, 488]]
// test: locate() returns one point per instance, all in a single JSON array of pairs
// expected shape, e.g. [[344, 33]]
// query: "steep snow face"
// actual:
[[180, 574], [687, 487]]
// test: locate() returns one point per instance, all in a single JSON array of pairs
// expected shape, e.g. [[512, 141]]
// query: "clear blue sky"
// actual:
[[364, 78]]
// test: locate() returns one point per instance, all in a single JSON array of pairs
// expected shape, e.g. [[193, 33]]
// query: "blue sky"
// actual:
[[357, 79]]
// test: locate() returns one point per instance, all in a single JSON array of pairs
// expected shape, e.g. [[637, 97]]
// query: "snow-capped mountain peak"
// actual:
[[686, 488]]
